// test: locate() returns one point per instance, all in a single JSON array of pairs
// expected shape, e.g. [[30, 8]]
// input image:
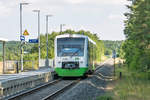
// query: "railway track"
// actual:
[[45, 92], [58, 92]]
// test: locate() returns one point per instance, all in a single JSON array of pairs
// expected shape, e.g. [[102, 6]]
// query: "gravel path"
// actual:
[[91, 87]]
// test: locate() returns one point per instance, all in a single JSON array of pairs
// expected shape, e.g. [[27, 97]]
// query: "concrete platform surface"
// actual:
[[6, 77], [11, 84]]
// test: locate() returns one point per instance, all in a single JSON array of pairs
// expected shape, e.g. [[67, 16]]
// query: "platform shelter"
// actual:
[[3, 55]]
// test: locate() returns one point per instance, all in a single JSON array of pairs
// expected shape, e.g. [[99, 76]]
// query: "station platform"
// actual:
[[11, 84]]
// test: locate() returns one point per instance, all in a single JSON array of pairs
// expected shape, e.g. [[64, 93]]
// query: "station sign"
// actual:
[[33, 41], [22, 38], [25, 33]]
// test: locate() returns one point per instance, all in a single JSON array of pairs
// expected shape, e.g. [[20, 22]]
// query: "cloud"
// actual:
[[113, 2], [8, 6], [116, 16], [4, 9], [78, 12], [75, 1]]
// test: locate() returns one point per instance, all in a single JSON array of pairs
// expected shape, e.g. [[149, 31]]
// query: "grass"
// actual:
[[105, 97], [133, 85]]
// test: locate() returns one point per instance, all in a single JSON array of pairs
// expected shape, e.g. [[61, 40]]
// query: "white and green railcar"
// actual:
[[75, 55]]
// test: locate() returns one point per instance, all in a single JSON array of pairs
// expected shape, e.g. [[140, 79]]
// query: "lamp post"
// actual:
[[61, 26], [47, 16], [21, 4], [38, 11]]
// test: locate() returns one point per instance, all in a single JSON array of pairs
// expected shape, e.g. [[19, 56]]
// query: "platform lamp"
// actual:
[[38, 12], [47, 61], [21, 4]]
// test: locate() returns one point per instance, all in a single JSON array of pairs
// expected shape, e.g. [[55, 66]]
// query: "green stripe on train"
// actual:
[[71, 72]]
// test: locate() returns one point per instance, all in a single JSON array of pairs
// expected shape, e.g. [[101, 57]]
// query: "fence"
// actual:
[[43, 63], [11, 66]]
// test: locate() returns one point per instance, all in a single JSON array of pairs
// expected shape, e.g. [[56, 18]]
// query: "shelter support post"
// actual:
[[3, 57]]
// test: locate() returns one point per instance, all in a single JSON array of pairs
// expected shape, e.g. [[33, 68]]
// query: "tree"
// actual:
[[137, 46]]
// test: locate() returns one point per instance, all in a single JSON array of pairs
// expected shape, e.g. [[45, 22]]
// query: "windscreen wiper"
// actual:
[[75, 52]]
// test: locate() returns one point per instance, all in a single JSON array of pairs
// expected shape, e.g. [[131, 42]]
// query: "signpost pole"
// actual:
[[114, 56], [39, 37]]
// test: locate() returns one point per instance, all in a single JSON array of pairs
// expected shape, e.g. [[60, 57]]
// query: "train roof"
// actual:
[[75, 35]]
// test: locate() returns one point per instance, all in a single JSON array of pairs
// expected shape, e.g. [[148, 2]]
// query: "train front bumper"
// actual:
[[71, 72]]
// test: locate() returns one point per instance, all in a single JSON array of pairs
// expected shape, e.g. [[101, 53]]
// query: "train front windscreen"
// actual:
[[70, 47]]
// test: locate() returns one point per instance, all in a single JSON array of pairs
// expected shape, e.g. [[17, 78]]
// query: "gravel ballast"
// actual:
[[92, 87]]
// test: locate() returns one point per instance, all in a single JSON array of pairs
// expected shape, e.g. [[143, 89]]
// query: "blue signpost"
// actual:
[[22, 38], [33, 41]]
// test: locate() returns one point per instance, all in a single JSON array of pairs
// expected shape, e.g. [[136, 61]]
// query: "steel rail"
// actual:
[[60, 91]]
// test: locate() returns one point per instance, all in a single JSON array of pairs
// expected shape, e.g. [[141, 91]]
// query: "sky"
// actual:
[[103, 17]]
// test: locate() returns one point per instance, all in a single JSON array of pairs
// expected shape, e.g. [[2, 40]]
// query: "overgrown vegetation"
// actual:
[[131, 86], [135, 83]]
